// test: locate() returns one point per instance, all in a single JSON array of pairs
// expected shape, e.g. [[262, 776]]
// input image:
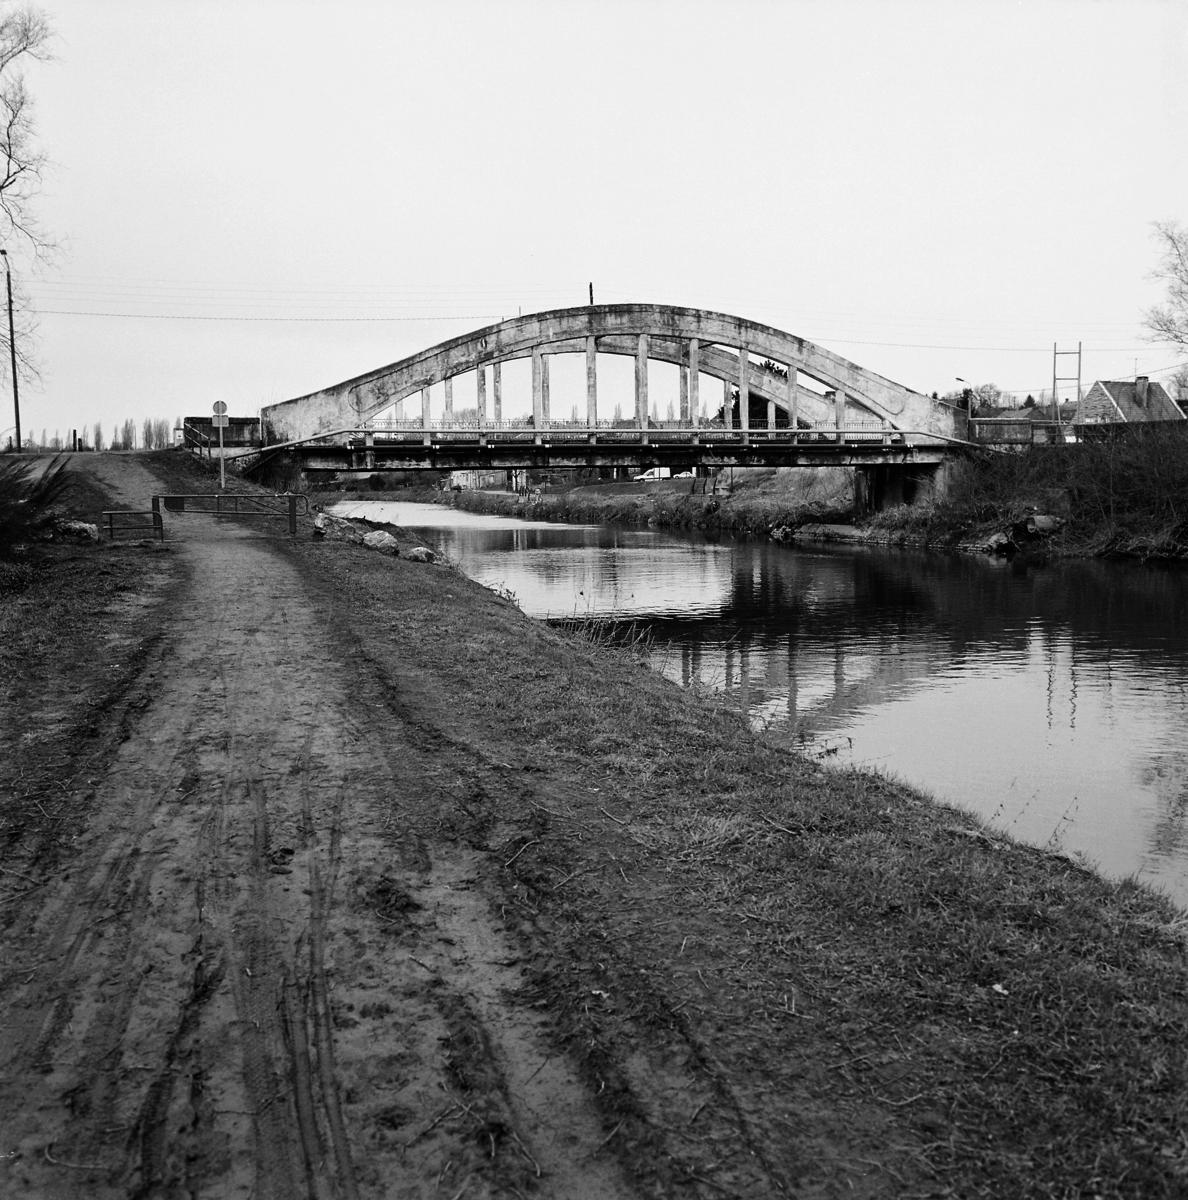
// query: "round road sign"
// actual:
[[220, 407]]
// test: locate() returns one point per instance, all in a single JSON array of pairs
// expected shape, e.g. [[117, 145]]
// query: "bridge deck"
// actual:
[[512, 444]]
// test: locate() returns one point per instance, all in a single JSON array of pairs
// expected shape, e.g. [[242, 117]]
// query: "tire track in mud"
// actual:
[[246, 985], [646, 1074]]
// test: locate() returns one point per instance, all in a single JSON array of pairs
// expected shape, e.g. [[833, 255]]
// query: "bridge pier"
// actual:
[[497, 391], [449, 397], [480, 401]]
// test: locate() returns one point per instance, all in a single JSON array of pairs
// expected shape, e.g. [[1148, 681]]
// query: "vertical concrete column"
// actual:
[[425, 416], [544, 390], [591, 382], [641, 384], [793, 396], [744, 392], [694, 383], [684, 411], [771, 416], [839, 409], [537, 390], [497, 390], [480, 396], [727, 401], [449, 401]]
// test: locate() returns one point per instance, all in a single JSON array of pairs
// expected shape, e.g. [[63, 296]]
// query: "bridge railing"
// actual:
[[524, 429], [195, 440]]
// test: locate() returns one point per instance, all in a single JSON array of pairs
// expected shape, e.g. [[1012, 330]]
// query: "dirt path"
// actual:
[[258, 982]]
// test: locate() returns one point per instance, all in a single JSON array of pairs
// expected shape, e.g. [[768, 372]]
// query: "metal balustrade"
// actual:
[[379, 432]]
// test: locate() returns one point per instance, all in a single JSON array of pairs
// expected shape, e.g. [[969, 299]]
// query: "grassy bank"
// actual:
[[763, 502], [1122, 495], [864, 989]]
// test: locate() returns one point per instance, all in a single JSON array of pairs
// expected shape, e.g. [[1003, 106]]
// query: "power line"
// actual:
[[994, 349], [64, 312]]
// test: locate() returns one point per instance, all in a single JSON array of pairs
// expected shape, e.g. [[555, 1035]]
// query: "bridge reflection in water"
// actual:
[[1053, 701]]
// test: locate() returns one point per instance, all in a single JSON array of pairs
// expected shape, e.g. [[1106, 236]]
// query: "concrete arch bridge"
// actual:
[[749, 395]]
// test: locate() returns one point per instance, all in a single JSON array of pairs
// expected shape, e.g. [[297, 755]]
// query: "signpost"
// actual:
[[219, 421]]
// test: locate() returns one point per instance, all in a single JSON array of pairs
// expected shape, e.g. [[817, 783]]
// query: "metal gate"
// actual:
[[282, 506]]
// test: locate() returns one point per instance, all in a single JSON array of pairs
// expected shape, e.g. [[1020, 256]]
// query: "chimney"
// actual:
[[1140, 390]]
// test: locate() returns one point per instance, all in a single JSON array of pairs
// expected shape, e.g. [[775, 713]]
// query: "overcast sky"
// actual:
[[258, 198]]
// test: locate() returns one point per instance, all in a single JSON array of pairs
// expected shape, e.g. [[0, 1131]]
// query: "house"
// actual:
[[1109, 402]]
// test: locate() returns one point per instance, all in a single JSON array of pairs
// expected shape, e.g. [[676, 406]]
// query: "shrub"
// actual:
[[28, 499]]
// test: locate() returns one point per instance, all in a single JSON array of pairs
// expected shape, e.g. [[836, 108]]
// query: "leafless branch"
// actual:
[[1168, 322]]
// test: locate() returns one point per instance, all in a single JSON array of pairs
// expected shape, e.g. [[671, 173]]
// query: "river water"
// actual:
[[1052, 701]]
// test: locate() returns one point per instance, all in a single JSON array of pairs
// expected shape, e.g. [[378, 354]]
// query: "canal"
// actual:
[[1051, 700]]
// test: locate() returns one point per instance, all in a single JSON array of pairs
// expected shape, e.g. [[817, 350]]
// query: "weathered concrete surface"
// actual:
[[617, 329]]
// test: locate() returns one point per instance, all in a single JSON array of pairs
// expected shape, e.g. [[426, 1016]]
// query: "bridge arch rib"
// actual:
[[710, 343]]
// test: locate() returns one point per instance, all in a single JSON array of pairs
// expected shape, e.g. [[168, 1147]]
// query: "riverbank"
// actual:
[[1119, 497], [732, 970], [760, 502]]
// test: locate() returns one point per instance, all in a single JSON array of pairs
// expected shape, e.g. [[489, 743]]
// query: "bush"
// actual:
[[28, 499]]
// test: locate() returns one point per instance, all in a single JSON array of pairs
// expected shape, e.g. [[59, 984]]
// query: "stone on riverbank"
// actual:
[[384, 542]]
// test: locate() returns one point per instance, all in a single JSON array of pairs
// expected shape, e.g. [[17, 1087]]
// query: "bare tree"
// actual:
[[97, 435], [25, 33], [1177, 385], [128, 436], [161, 432], [148, 434], [1169, 322]]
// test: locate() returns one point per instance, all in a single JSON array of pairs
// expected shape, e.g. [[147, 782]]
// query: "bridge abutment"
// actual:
[[886, 485]]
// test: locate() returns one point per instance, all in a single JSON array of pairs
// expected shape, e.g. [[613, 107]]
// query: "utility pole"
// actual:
[[591, 294], [16, 399]]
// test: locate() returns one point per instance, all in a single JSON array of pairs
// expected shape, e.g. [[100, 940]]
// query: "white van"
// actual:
[[651, 475]]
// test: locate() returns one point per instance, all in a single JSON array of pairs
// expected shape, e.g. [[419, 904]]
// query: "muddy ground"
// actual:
[[331, 875]]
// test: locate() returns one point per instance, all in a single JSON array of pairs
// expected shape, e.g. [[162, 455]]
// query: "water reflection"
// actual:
[[1053, 701]]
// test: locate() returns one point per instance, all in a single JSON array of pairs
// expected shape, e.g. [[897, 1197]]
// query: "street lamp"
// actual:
[[16, 398]]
